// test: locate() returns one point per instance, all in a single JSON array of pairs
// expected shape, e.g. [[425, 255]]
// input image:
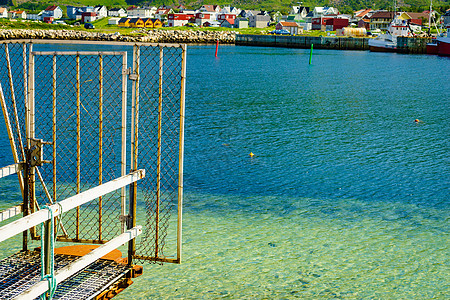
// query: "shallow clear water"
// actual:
[[346, 196]]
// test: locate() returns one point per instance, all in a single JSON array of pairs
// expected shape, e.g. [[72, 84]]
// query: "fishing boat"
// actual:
[[387, 42], [443, 43]]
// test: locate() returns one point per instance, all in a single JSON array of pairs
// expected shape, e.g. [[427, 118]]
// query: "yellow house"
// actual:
[[157, 23], [136, 22], [124, 22], [152, 23], [148, 22]]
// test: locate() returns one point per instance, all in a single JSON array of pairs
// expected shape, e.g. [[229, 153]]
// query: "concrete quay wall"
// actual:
[[406, 44]]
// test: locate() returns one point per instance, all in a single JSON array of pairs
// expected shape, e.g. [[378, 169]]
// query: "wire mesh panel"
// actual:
[[160, 94], [77, 110], [13, 81]]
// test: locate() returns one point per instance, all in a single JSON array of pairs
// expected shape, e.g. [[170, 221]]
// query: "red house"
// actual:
[[223, 17], [320, 23], [201, 18], [48, 20], [178, 19], [334, 24]]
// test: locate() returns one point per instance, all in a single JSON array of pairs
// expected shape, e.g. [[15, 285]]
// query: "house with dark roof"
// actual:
[[415, 18], [381, 20], [117, 12], [53, 11], [259, 21]]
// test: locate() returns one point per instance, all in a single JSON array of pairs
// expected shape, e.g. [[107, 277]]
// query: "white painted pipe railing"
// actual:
[[43, 215], [11, 169], [84, 261]]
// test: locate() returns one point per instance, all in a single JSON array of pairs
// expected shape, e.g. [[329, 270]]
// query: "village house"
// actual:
[[213, 10], [292, 27], [336, 23], [259, 21], [230, 10], [12, 14], [223, 17], [101, 11], [415, 18], [240, 23], [17, 14], [21, 14], [136, 22], [174, 20], [362, 14], [3, 12], [162, 13], [201, 18], [227, 23], [298, 13], [113, 21], [139, 12], [124, 22], [381, 20], [117, 12], [53, 11], [88, 17], [75, 12], [323, 11]]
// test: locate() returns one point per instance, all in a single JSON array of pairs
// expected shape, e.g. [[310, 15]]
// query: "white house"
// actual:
[[139, 12], [113, 21], [299, 12], [213, 10], [37, 17], [323, 11], [101, 10], [117, 12], [21, 14], [53, 11], [3, 12]]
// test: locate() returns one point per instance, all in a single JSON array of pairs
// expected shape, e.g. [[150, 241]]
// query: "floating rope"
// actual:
[[52, 284]]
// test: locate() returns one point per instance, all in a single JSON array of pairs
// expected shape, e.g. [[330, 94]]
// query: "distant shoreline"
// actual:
[[153, 36], [406, 45]]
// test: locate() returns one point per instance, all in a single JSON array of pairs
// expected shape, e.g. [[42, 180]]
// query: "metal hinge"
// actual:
[[37, 152]]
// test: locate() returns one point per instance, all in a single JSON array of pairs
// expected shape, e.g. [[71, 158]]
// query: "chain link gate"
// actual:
[[82, 108]]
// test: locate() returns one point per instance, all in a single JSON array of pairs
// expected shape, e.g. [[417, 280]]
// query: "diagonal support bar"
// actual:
[[41, 287], [42, 215]]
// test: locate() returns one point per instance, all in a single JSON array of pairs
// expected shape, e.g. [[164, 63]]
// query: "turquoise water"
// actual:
[[346, 196]]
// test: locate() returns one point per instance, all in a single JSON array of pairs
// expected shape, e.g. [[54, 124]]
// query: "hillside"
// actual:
[[345, 6]]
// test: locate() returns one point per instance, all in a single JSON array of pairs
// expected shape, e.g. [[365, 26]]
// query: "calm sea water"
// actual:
[[346, 196]]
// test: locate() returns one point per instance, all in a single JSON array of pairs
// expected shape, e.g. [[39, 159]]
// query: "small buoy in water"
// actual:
[[417, 120], [251, 154]]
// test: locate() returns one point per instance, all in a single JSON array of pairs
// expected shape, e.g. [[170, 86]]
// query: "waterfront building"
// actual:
[[240, 23], [381, 20], [292, 27], [259, 21]]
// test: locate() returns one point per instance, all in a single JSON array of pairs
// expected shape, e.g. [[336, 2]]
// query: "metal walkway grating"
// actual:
[[22, 270]]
